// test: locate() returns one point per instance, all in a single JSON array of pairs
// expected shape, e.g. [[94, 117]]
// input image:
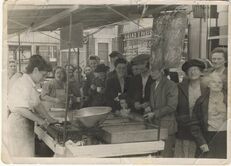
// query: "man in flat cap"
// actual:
[[163, 102], [134, 66], [140, 85]]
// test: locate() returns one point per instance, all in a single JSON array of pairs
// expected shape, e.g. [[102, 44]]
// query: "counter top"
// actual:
[[100, 150]]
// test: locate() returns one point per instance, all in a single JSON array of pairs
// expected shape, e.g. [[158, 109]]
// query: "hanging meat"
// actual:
[[167, 40]]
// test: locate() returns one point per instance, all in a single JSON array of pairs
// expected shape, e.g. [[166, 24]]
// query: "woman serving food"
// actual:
[[25, 109]]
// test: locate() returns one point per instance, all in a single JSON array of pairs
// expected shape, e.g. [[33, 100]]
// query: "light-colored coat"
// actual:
[[163, 100]]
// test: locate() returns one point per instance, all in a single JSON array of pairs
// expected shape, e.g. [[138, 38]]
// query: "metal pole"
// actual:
[[79, 75], [19, 49], [200, 37], [67, 84]]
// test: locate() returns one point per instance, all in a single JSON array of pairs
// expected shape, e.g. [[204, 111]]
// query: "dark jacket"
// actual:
[[199, 124], [113, 89], [111, 74], [87, 83], [74, 90], [182, 113], [86, 88], [97, 98], [163, 101], [135, 89]]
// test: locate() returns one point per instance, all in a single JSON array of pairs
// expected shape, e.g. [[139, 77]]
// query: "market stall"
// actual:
[[116, 136]]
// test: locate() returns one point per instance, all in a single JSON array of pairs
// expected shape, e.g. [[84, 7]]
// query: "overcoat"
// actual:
[[163, 101]]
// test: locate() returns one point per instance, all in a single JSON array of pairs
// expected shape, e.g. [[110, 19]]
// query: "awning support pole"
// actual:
[[79, 75], [19, 49], [67, 84]]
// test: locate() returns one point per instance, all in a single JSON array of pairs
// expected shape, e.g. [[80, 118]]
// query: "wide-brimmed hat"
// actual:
[[191, 63]]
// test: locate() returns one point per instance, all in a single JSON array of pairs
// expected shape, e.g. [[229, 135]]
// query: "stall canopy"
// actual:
[[53, 17]]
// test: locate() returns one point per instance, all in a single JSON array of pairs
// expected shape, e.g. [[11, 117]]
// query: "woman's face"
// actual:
[[121, 69], [87, 70], [113, 59], [38, 76], [216, 84], [218, 60], [59, 74], [135, 70], [194, 73], [93, 64], [12, 68]]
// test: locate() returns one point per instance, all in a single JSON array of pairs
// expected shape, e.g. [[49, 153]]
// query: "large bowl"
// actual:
[[91, 116]]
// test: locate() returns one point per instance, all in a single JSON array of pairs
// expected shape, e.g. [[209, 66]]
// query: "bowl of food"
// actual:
[[90, 117]]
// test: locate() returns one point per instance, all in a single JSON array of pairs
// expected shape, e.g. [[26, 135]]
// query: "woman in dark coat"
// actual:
[[189, 91], [97, 88], [209, 122], [117, 85]]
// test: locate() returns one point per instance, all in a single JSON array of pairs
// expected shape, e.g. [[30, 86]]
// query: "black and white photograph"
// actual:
[[121, 81]]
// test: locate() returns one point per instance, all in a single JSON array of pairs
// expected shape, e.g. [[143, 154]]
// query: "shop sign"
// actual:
[[142, 33]]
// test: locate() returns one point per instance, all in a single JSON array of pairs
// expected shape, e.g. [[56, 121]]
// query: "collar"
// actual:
[[28, 78], [145, 75], [220, 72]]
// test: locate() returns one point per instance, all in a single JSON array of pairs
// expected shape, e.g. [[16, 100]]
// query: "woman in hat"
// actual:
[[189, 90], [209, 121], [26, 108], [97, 88]]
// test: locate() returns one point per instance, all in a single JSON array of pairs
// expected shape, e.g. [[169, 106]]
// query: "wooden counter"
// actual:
[[101, 150]]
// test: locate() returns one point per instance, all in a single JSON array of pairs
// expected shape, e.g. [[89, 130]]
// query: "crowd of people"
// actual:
[[193, 110]]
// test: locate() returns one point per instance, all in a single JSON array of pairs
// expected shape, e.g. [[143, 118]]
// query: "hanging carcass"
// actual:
[[167, 40]]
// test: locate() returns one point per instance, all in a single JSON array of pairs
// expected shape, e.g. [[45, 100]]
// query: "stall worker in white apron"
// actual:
[[53, 92], [25, 109]]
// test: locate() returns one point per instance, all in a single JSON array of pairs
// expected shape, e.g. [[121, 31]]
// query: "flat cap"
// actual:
[[140, 59], [191, 63]]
